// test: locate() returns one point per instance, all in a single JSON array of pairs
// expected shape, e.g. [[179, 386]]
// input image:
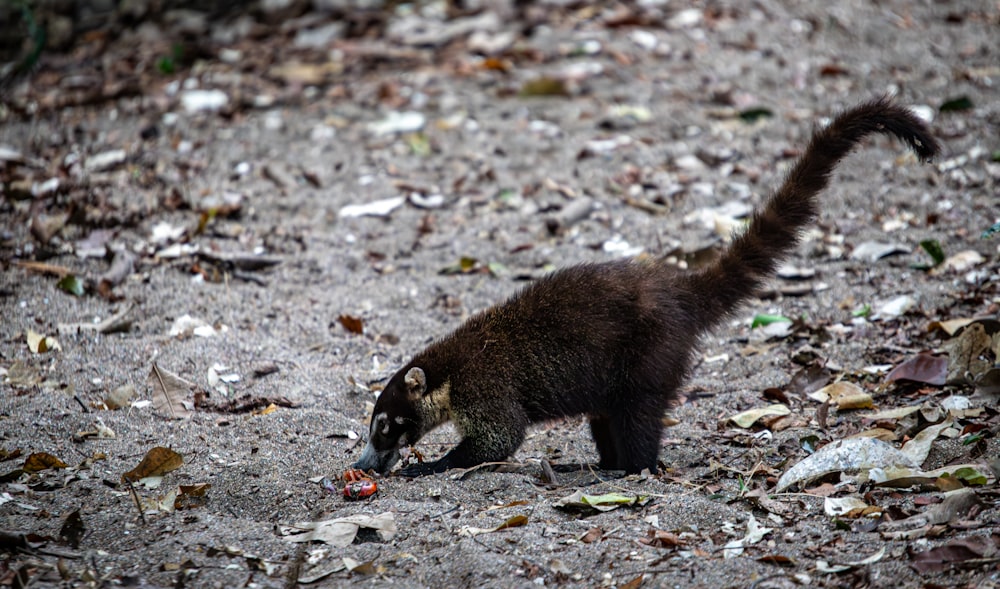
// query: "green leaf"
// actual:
[[165, 65], [933, 249], [862, 311], [464, 265], [990, 232], [971, 476], [752, 115], [609, 499], [497, 269], [419, 144], [972, 438], [809, 443], [72, 285], [760, 320], [954, 104], [544, 87]]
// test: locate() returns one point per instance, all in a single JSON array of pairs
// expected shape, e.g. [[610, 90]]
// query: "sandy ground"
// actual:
[[490, 172]]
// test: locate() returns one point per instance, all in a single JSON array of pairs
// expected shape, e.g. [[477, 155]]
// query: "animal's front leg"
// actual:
[[473, 450]]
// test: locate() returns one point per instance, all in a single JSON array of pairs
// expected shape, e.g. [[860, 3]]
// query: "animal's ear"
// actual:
[[416, 383]]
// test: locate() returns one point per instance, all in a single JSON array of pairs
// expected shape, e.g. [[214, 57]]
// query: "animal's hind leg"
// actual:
[[636, 431], [601, 428]]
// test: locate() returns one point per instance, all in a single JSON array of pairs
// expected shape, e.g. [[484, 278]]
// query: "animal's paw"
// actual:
[[422, 469]]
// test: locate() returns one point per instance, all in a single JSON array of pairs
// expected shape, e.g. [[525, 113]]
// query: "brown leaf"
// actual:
[[41, 461], [778, 559], [832, 70], [633, 584], [923, 368], [9, 454], [592, 535], [956, 553], [968, 354], [157, 462], [72, 529], [352, 324], [514, 522], [776, 395], [662, 539], [809, 379], [170, 392], [191, 496]]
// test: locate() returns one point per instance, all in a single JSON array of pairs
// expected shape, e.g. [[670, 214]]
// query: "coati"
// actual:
[[610, 340]]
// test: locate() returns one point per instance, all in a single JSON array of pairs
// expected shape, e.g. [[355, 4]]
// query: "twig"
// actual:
[[135, 498]]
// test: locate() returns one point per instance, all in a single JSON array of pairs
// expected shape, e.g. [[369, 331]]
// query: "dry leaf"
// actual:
[[352, 324], [514, 522], [42, 461], [845, 395], [592, 535], [339, 532], [749, 417], [967, 354], [40, 344], [971, 551], [851, 456], [170, 393], [923, 368], [191, 496], [157, 462], [120, 397], [662, 539], [72, 529]]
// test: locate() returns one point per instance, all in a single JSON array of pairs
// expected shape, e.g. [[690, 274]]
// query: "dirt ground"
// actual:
[[656, 113]]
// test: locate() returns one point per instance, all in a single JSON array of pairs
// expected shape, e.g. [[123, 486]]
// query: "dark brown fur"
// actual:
[[612, 341]]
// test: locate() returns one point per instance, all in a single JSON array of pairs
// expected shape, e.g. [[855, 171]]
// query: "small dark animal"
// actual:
[[612, 341]]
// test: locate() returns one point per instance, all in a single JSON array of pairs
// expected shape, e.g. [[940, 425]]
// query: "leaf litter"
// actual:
[[175, 243]]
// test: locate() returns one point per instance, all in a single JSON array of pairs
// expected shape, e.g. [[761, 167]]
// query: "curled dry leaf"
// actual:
[[117, 323], [40, 344], [606, 502], [379, 208], [157, 462], [191, 496], [844, 506], [968, 354], [845, 395], [755, 533], [352, 324], [851, 456], [825, 567], [946, 476], [120, 397], [514, 522], [341, 531], [662, 539], [751, 416], [920, 445], [42, 461], [592, 535]]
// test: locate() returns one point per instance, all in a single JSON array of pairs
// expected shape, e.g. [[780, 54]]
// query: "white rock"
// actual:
[[195, 101]]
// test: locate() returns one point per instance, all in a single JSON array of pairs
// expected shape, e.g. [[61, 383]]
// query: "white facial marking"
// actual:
[[382, 423]]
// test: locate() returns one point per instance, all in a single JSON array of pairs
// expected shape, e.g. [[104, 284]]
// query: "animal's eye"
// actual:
[[382, 424]]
